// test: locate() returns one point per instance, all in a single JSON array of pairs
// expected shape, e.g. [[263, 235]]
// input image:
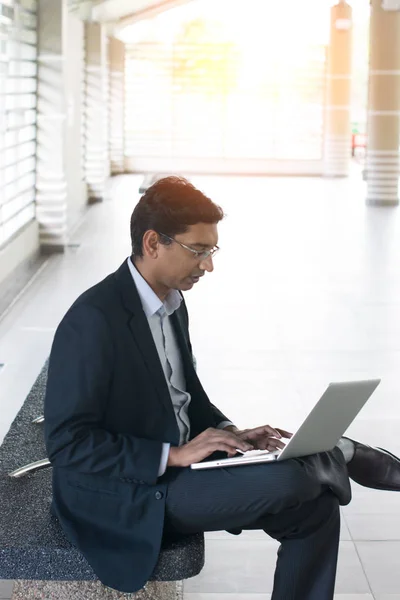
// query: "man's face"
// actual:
[[177, 267]]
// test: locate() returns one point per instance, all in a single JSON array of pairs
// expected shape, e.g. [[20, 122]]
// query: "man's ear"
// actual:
[[151, 244]]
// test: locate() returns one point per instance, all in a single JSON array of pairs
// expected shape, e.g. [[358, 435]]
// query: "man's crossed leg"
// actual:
[[294, 501]]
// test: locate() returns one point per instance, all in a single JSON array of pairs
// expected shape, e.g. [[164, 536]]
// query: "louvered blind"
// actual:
[[18, 68]]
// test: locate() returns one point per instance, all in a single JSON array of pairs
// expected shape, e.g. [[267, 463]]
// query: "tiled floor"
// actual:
[[306, 290]]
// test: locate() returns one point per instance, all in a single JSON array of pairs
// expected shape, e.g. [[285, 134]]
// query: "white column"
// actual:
[[337, 142], [51, 184], [97, 164], [117, 105], [382, 165], [74, 50]]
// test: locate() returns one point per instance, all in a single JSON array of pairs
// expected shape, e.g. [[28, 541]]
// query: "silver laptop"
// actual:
[[321, 431]]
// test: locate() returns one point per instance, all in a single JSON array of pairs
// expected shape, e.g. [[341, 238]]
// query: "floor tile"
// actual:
[[377, 430], [372, 502], [6, 588], [353, 597], [350, 576], [381, 562], [248, 567], [374, 527], [245, 567], [344, 530], [231, 387], [242, 596], [219, 596]]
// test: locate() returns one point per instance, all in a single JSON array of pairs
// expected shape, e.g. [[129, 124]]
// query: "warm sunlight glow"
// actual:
[[217, 78]]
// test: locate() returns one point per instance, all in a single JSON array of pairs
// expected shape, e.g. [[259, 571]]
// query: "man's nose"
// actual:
[[207, 264]]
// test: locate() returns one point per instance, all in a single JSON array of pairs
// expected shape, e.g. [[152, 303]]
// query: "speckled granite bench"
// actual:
[[33, 549]]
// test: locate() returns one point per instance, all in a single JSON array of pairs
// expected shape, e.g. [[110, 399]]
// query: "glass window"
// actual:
[[27, 134], [22, 68], [19, 51], [20, 118], [24, 183], [11, 227], [18, 72], [29, 36], [10, 209], [220, 97], [28, 20], [18, 101], [15, 85], [10, 173], [6, 12], [29, 5]]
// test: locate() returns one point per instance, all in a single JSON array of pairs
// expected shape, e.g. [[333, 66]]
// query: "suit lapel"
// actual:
[[179, 328], [199, 409], [139, 327], [141, 333]]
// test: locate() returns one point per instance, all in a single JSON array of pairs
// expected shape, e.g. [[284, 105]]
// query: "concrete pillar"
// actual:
[[97, 164], [383, 131], [337, 139], [74, 52], [51, 184], [117, 105]]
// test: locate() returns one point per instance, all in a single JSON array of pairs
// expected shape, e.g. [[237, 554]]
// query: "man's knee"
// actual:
[[305, 519], [296, 484], [326, 506], [323, 512]]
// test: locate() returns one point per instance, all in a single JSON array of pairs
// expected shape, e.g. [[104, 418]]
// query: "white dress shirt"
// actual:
[[158, 316]]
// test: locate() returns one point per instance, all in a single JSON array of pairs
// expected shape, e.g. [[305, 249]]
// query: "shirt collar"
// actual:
[[151, 303]]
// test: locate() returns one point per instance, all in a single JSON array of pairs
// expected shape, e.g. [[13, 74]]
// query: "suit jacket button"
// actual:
[[159, 495]]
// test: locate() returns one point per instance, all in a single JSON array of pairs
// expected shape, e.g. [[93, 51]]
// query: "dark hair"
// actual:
[[170, 206]]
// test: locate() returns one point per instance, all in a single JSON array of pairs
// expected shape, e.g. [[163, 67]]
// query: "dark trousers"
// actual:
[[296, 502]]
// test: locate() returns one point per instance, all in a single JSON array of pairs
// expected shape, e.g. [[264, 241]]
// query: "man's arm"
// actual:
[[79, 380]]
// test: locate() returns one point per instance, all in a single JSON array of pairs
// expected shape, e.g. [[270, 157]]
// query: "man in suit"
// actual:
[[126, 414]]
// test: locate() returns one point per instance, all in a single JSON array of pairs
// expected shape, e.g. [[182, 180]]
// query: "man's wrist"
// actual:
[[231, 428], [172, 456]]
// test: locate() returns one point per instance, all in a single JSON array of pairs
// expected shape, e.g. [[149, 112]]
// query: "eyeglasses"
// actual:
[[198, 254]]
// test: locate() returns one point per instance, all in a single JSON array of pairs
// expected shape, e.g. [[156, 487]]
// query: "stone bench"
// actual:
[[33, 549]]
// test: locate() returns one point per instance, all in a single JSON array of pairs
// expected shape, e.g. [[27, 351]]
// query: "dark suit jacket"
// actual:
[[107, 413]]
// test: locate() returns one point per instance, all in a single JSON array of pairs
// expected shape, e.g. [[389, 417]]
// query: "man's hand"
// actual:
[[209, 441], [264, 437]]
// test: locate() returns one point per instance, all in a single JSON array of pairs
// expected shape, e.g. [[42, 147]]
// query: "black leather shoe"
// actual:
[[374, 468]]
